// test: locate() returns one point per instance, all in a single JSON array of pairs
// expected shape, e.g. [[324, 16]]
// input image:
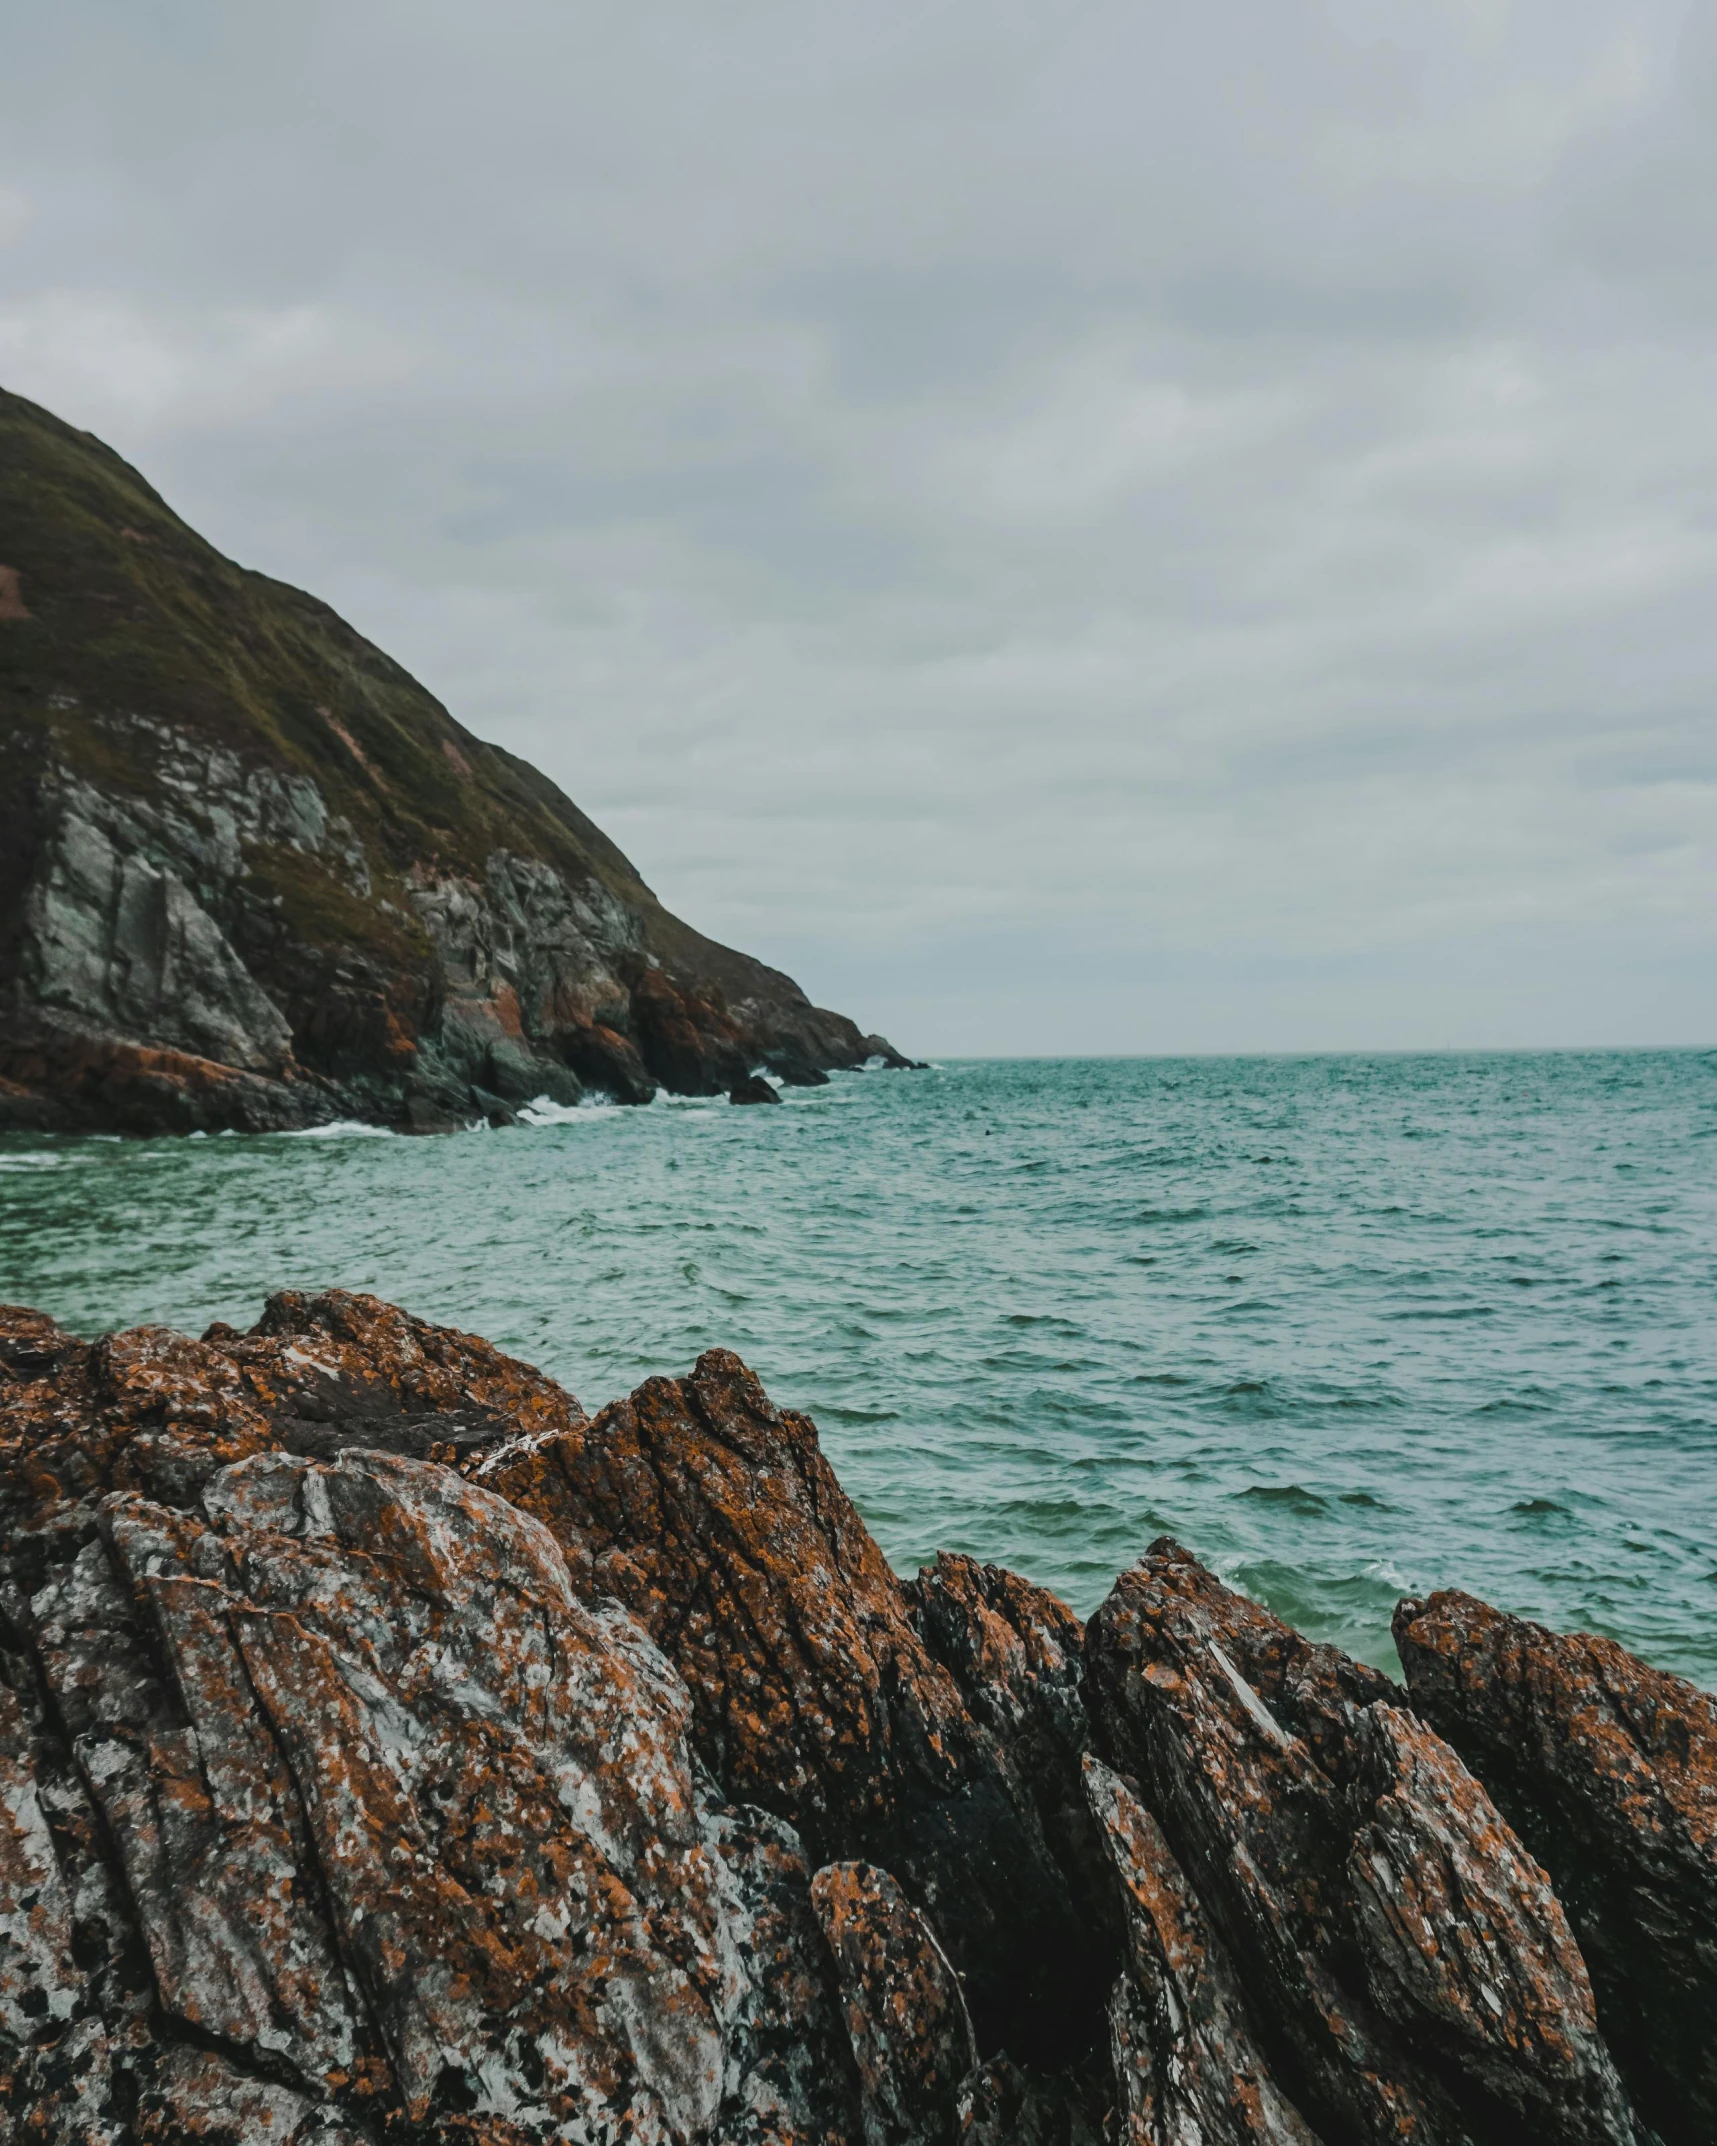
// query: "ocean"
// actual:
[[1349, 1327]]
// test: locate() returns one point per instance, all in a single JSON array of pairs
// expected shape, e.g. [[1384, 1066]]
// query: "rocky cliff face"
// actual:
[[390, 1752], [252, 874]]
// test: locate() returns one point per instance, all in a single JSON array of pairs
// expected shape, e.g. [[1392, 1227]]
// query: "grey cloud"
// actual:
[[1195, 519]]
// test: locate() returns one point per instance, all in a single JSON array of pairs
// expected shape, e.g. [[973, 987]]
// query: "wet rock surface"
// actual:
[[1608, 1770], [391, 1753]]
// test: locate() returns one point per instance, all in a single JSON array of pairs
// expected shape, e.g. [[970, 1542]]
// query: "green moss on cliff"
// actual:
[[119, 626], [319, 912], [132, 614]]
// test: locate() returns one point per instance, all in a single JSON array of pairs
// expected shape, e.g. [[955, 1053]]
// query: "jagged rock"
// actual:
[[253, 876], [1608, 1770], [1017, 1653], [906, 2018], [153, 1411], [196, 2096], [392, 1756], [884, 1053], [1001, 2105], [686, 1038], [791, 2078], [1411, 1971], [403, 1823], [56, 2063], [1189, 2070], [64, 1079], [607, 1060], [1465, 1944], [798, 1071], [117, 945], [716, 1519], [753, 1089]]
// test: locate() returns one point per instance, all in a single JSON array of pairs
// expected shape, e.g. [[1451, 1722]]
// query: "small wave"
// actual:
[[1442, 1318], [1536, 1506], [544, 1110], [1252, 1398], [29, 1161], [341, 1129], [1290, 1497]]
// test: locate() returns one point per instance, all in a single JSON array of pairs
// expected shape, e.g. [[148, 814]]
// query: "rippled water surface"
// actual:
[[1347, 1326]]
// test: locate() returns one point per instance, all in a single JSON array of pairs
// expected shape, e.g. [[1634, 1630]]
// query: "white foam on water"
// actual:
[[341, 1129], [544, 1110]]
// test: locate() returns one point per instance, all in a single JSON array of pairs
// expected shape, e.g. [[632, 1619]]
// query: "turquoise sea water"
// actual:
[[1347, 1326]]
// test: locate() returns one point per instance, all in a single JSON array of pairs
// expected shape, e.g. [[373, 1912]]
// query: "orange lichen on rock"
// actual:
[[1608, 1767], [390, 1755], [717, 1520], [1414, 1970]]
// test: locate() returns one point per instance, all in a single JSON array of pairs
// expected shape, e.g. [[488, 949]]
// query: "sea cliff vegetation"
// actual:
[[252, 874]]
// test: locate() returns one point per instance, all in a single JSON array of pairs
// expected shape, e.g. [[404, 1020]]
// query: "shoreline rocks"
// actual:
[[391, 1752]]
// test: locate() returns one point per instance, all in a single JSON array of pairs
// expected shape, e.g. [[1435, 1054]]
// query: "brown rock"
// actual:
[[718, 1522], [1410, 1971], [347, 1810], [1608, 1769], [906, 2017], [1466, 1946], [604, 1059], [197, 2096], [389, 1753], [1017, 1653], [153, 1411], [685, 1037], [1189, 2070]]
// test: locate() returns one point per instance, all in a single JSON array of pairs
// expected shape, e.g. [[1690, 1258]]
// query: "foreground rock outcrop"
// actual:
[[252, 875], [391, 1752], [1608, 1769]]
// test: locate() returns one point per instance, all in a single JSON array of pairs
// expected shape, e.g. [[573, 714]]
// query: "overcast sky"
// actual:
[[1093, 527]]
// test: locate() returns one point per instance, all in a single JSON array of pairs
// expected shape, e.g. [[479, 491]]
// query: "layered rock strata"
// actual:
[[1608, 1769], [252, 875], [389, 1752]]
